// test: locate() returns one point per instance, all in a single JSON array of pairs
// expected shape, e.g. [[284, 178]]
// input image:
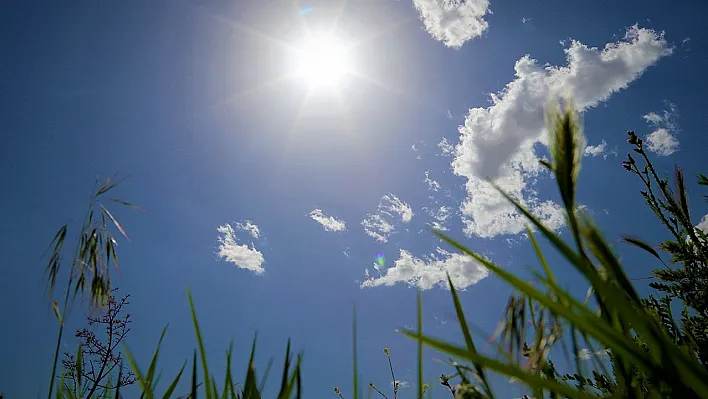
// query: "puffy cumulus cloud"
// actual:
[[380, 225], [596, 150], [662, 140], [241, 255], [432, 184], [453, 22], [498, 141], [428, 273], [328, 222], [249, 227]]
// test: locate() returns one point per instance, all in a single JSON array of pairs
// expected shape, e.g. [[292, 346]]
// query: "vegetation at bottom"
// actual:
[[639, 347]]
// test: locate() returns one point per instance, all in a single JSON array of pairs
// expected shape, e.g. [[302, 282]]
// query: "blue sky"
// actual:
[[200, 102]]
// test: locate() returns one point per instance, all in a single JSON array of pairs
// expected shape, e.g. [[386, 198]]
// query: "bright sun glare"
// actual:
[[322, 61]]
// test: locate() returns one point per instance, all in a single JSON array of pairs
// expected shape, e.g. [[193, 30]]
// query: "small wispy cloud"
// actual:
[[446, 149], [596, 150], [432, 184], [431, 271], [380, 225], [401, 384], [241, 255], [662, 140], [328, 222], [439, 217], [249, 227], [585, 354]]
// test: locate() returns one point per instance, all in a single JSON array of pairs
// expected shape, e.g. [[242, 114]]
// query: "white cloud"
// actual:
[[585, 354], [453, 22], [703, 225], [432, 184], [394, 206], [596, 150], [662, 140], [250, 227], [446, 149], [380, 225], [401, 384], [241, 255], [498, 141], [653, 117], [428, 273], [328, 222], [440, 216], [376, 227]]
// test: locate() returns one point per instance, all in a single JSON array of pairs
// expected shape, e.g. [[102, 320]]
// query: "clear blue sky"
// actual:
[[198, 100]]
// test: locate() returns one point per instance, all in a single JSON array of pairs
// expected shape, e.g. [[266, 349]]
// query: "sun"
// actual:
[[322, 61]]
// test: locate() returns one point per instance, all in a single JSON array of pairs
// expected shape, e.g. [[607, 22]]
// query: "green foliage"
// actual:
[[647, 358]]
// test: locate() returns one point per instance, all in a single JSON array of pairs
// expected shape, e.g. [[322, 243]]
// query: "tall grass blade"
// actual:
[[200, 343], [419, 312], [193, 394], [506, 369], [144, 385], [120, 378], [250, 385], [468, 337], [170, 390]]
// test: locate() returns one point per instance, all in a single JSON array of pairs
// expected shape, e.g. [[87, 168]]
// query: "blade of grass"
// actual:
[[153, 363], [468, 336], [200, 344], [120, 377], [144, 386], [585, 320], [193, 394], [173, 385], [250, 385], [228, 377], [500, 367], [419, 312]]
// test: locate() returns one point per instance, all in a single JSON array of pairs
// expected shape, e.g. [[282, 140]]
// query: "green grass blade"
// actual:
[[506, 369], [286, 369], [584, 319], [200, 343], [261, 387], [144, 385], [193, 394], [468, 336], [153, 363], [173, 385], [250, 385], [228, 378], [79, 373], [120, 377], [419, 310]]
